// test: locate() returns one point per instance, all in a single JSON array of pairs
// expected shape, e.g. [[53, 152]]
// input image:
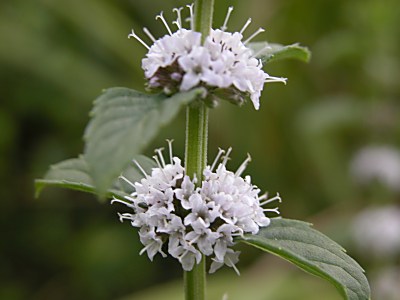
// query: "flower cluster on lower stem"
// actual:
[[176, 215]]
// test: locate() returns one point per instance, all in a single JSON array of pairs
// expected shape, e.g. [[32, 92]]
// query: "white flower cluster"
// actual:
[[376, 231], [377, 163], [191, 220], [180, 61]]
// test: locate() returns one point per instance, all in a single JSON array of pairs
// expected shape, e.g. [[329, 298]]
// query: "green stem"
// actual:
[[203, 15], [196, 149], [196, 139]]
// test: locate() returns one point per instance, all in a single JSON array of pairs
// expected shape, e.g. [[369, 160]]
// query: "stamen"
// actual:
[[228, 14], [145, 248], [159, 152], [254, 35], [276, 198], [261, 51], [233, 266], [191, 18], [158, 162], [250, 86], [238, 234], [125, 216], [275, 210], [220, 152], [132, 34], [148, 33], [160, 16], [245, 26], [226, 156], [276, 79], [130, 198], [140, 168], [194, 240], [126, 180], [178, 21], [170, 150], [159, 166], [120, 201], [243, 166]]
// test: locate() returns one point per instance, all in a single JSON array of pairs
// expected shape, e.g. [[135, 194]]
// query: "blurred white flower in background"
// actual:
[[376, 231], [381, 163], [386, 285]]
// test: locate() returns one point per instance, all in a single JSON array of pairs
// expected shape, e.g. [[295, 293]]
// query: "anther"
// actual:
[[132, 34], [226, 156], [275, 210], [220, 152], [178, 21], [245, 26], [243, 166], [265, 196], [191, 19], [276, 79], [228, 14], [170, 150], [120, 201], [259, 30]]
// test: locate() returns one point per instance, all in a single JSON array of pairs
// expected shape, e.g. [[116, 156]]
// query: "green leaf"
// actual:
[[313, 252], [269, 52], [123, 122], [74, 174]]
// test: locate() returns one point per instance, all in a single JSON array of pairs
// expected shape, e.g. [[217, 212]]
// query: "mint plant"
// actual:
[[187, 208]]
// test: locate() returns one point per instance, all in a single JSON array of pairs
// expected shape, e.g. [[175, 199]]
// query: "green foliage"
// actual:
[[73, 54], [123, 122], [313, 252], [74, 174], [276, 52]]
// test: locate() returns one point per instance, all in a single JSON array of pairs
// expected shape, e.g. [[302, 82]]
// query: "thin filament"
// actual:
[[259, 30], [228, 14], [170, 151], [245, 26], [226, 156], [191, 19], [161, 17], [220, 152], [243, 166], [133, 34], [148, 33]]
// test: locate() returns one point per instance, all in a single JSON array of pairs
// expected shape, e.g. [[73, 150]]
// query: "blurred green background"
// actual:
[[57, 56]]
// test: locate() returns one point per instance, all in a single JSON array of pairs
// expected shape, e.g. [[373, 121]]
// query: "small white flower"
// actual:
[[377, 231], [195, 221], [381, 163], [179, 61]]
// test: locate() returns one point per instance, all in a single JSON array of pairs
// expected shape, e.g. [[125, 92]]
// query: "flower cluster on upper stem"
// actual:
[[224, 64], [187, 220]]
